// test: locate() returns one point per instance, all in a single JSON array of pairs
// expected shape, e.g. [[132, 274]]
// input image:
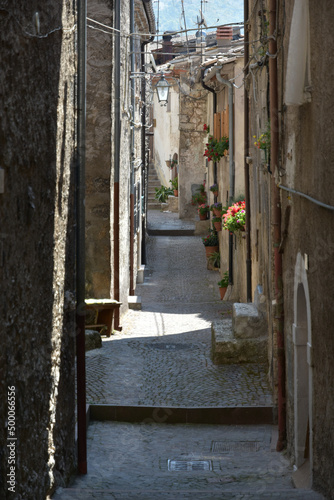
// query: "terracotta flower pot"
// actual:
[[176, 193], [222, 291], [210, 250], [203, 216], [218, 226], [215, 193], [216, 212]]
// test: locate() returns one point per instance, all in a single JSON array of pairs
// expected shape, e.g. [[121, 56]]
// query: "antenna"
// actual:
[[158, 11]]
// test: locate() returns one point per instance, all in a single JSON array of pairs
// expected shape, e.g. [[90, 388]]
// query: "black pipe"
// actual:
[[143, 152], [117, 148], [214, 95], [246, 153], [80, 238]]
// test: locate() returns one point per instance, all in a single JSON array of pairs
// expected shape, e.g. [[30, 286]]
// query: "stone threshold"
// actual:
[[255, 415]]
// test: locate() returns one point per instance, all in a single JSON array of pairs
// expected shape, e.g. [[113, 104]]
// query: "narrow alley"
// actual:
[[166, 422]]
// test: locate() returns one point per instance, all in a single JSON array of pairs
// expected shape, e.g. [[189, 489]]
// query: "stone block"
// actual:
[[226, 349], [141, 274], [134, 302], [202, 227], [248, 323], [260, 300], [92, 340], [172, 204]]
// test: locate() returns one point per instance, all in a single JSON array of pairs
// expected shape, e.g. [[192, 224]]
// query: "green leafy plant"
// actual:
[[201, 188], [203, 209], [263, 141], [162, 193], [216, 219], [211, 240], [223, 283], [235, 217], [214, 259], [214, 188], [198, 199], [215, 148], [175, 183]]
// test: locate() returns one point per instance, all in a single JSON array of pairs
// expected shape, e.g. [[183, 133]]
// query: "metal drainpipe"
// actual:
[[232, 167], [132, 176], [246, 166], [143, 148], [214, 95], [80, 238], [117, 141], [276, 209]]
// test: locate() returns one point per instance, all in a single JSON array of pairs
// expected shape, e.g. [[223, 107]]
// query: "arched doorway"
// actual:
[[302, 341]]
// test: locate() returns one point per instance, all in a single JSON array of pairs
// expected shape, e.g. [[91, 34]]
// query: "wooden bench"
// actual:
[[105, 313]]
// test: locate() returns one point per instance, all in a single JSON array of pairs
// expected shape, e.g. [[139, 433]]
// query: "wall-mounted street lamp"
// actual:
[[162, 90]]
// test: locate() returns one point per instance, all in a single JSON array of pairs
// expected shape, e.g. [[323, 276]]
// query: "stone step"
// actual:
[[154, 206], [227, 349], [247, 321]]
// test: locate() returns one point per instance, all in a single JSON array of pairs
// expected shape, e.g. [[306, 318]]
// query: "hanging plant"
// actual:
[[215, 149], [235, 217]]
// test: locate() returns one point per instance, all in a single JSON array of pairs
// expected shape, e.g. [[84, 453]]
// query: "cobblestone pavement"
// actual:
[[182, 461], [162, 356]]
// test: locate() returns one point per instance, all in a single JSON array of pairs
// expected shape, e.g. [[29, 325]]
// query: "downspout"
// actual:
[[143, 151], [117, 142], [151, 21], [214, 95], [132, 176], [80, 238], [232, 167], [246, 153], [276, 210], [230, 133]]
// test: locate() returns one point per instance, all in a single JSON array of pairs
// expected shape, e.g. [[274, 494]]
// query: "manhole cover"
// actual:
[[230, 446], [169, 347], [189, 465]]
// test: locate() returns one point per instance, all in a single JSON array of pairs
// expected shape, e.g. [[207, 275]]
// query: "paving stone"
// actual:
[[162, 357], [130, 461]]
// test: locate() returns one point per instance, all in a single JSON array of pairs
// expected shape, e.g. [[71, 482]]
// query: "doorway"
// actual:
[[302, 372]]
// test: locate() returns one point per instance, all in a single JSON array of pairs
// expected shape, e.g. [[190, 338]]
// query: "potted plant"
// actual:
[[223, 284], [216, 209], [214, 189], [217, 222], [203, 211], [162, 193], [175, 185], [263, 142], [215, 148], [198, 199], [235, 217], [214, 261], [211, 242]]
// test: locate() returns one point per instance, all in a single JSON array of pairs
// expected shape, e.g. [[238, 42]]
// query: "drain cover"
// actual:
[[230, 446], [189, 465]]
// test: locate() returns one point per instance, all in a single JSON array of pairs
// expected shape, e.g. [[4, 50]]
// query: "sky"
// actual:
[[216, 12]]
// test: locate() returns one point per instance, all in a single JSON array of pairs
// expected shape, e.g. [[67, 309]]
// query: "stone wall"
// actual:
[[37, 131], [192, 168], [307, 166], [166, 133], [99, 174]]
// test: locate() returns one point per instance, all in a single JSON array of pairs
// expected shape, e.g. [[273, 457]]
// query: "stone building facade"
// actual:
[[298, 189], [116, 164], [37, 247]]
